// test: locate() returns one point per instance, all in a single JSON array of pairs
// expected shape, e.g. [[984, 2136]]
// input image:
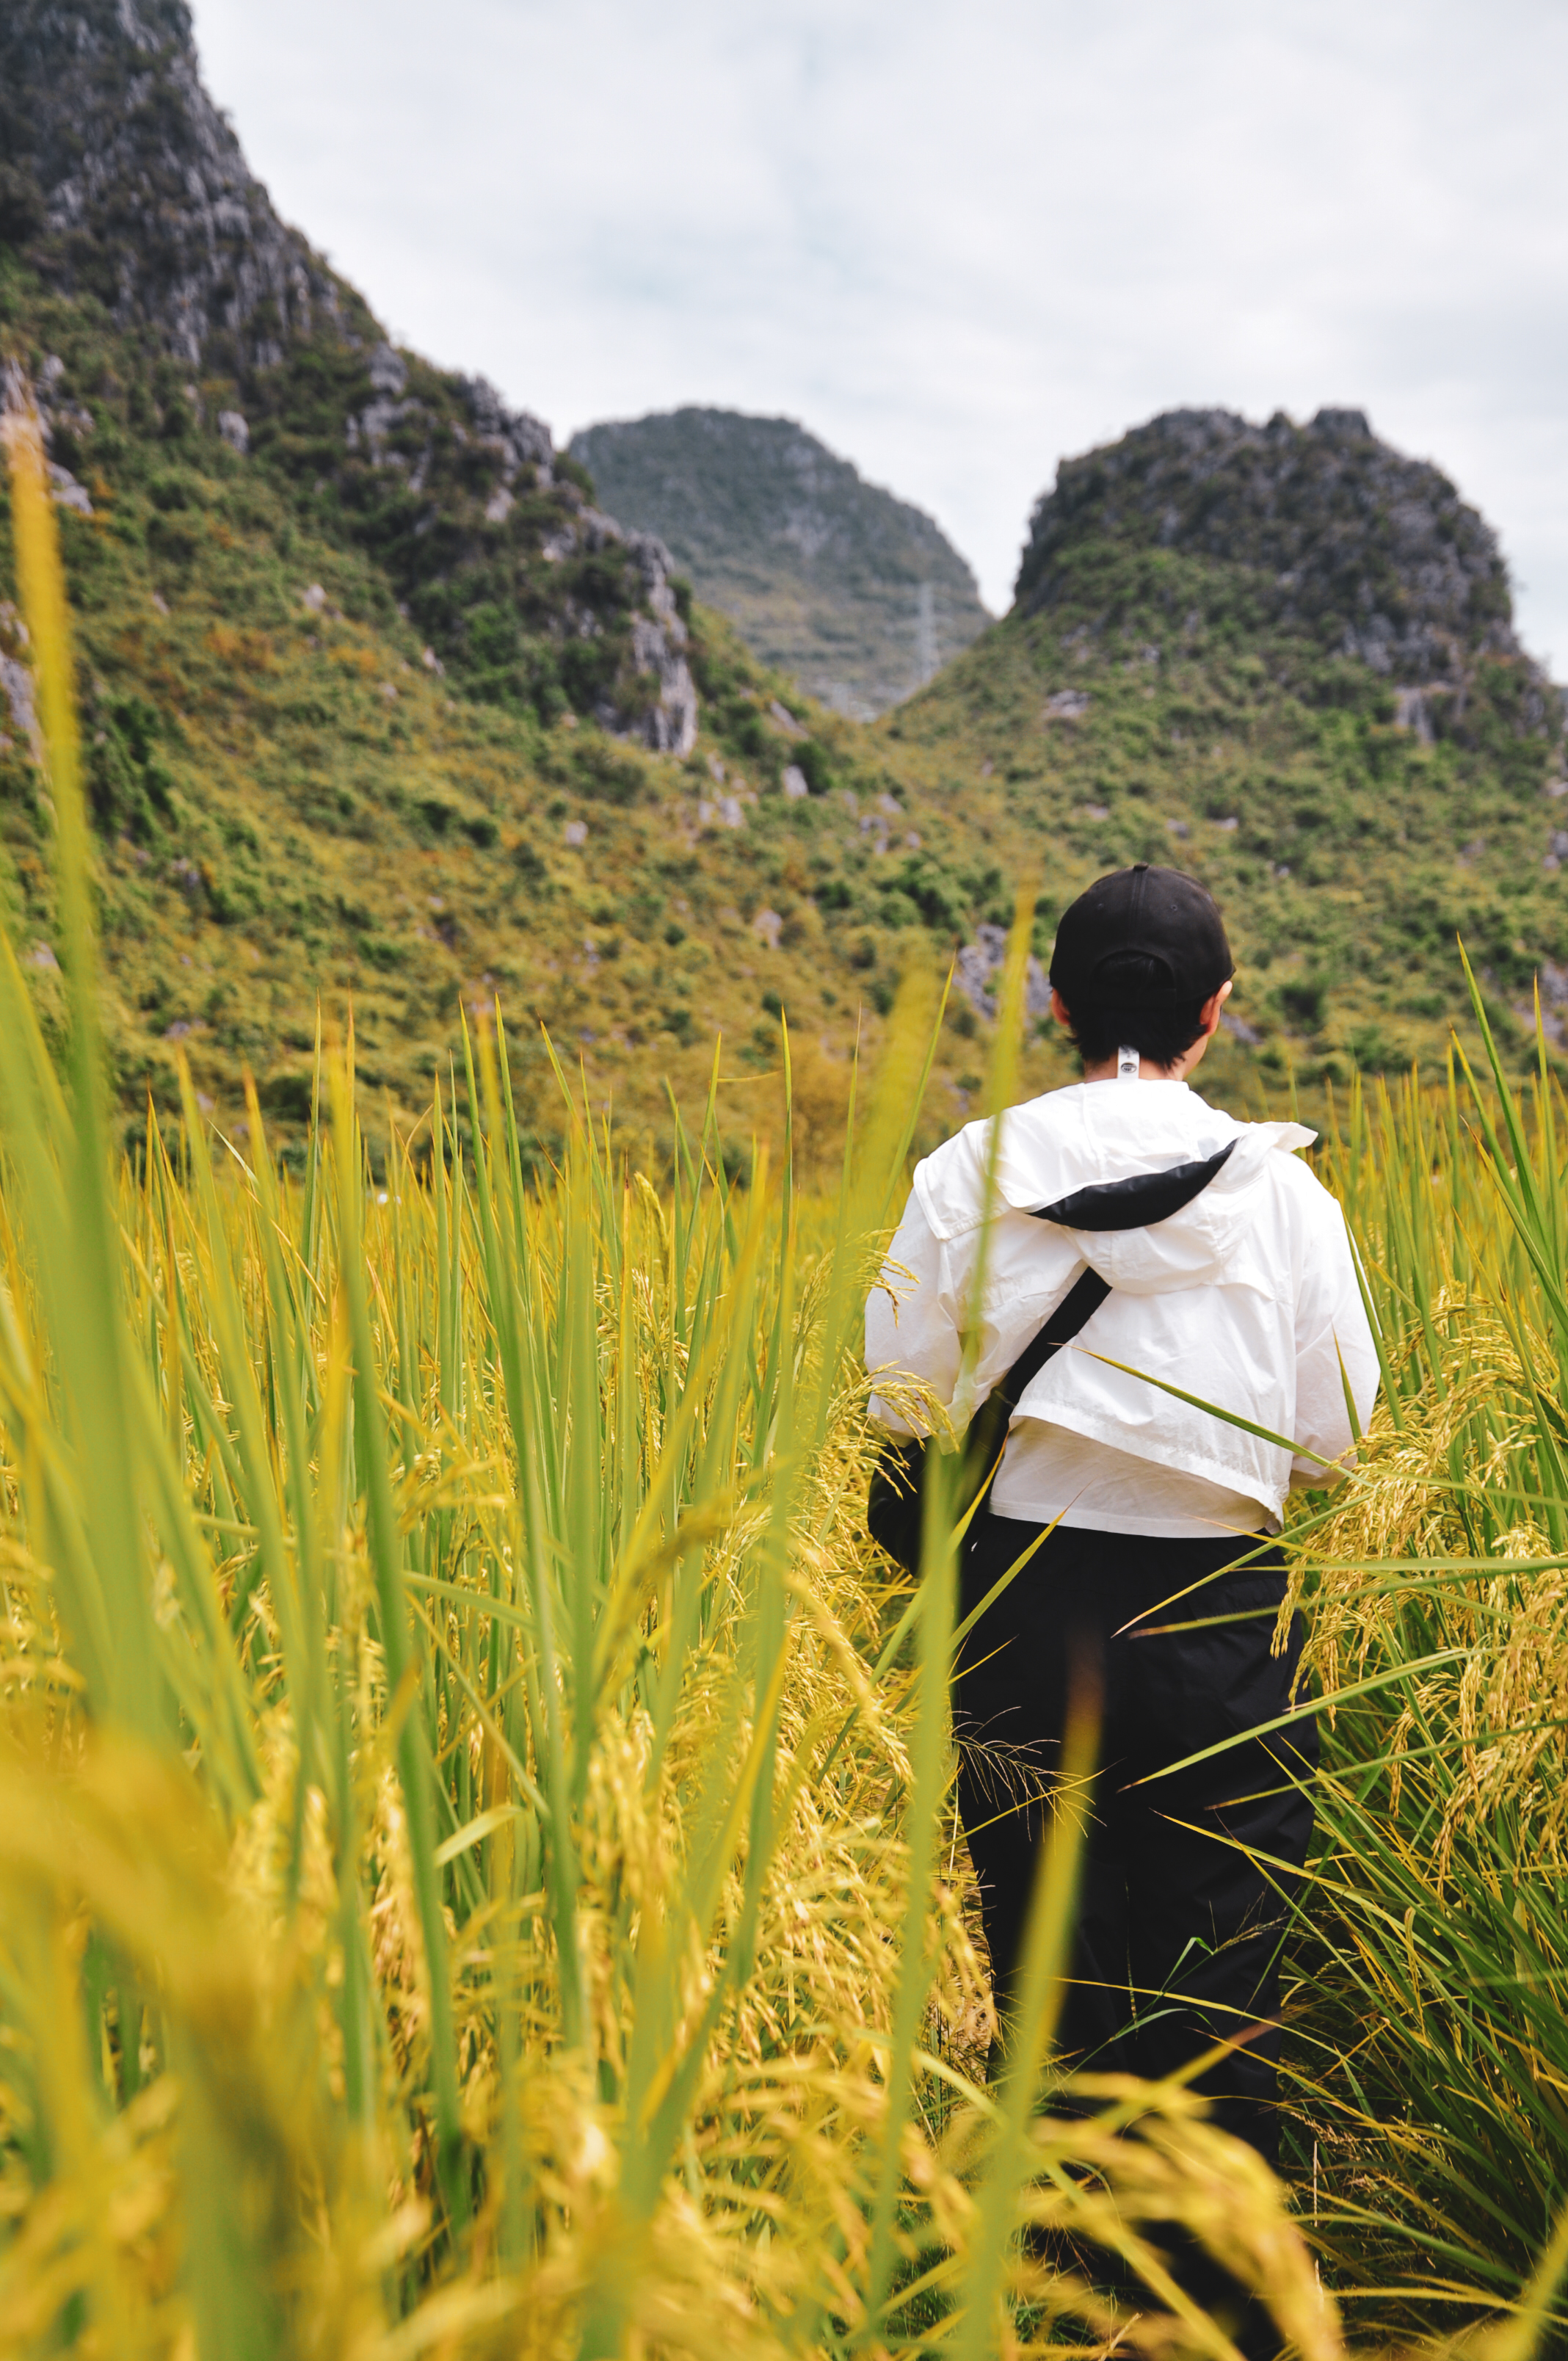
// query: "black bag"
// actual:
[[894, 1510]]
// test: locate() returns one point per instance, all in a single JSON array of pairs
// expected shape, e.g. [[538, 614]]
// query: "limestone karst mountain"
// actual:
[[1282, 657], [1372, 553], [379, 704], [857, 595]]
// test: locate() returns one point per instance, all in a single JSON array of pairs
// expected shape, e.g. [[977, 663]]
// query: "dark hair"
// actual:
[[1159, 1029], [1161, 1035]]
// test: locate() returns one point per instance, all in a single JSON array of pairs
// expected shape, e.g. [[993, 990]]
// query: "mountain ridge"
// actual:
[[856, 595], [138, 195], [1283, 657], [1373, 553]]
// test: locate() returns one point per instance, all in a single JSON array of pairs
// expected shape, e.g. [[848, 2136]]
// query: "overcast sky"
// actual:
[[957, 238]]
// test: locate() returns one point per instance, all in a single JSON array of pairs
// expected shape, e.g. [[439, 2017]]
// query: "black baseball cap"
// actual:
[[1142, 936]]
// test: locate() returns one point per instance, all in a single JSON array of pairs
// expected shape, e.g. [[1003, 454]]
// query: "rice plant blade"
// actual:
[[80, 1285], [387, 1561]]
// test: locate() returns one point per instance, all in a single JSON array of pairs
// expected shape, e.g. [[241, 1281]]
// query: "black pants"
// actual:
[[1178, 1937]]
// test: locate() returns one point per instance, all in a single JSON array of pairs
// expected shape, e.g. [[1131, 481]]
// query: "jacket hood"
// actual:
[[1093, 1133]]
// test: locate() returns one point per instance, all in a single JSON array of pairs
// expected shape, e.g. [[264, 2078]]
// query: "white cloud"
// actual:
[[957, 241]]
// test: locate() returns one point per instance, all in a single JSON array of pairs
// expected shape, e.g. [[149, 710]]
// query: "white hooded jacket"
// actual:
[[1247, 1299]]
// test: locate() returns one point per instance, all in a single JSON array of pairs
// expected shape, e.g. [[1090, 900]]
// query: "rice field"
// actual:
[[478, 1872]]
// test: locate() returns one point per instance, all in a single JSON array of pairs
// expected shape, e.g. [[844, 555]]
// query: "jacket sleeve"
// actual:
[[1333, 1347], [911, 1323]]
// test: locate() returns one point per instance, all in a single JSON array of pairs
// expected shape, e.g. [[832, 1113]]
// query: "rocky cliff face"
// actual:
[[122, 185], [1373, 555], [129, 184]]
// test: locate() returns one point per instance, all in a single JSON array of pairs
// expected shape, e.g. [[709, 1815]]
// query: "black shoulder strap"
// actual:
[[1078, 1306]]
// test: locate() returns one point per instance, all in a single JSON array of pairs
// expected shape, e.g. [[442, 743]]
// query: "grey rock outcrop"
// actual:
[[659, 640], [518, 438], [65, 424], [20, 707], [977, 973]]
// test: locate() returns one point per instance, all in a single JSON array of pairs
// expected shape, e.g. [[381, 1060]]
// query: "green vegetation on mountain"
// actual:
[[854, 595], [292, 805]]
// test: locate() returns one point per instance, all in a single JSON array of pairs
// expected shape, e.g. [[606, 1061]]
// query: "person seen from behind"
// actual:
[[1208, 1256]]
